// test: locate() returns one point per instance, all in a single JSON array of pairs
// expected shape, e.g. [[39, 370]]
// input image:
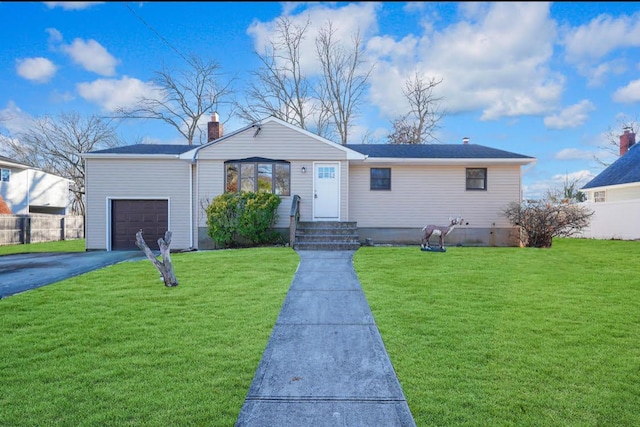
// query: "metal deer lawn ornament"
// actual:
[[440, 231]]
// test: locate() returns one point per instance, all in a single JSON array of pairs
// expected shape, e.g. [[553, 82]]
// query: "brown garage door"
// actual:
[[129, 216]]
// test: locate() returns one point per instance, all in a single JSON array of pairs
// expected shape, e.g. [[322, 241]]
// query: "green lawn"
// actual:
[[77, 245], [477, 336], [510, 336], [115, 347]]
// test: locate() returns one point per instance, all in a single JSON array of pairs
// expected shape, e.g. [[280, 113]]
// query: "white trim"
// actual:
[[109, 215], [11, 164], [612, 187]]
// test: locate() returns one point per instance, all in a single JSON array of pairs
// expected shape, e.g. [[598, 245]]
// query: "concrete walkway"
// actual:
[[325, 363]]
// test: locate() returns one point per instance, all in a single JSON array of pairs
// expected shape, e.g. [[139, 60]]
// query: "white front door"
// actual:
[[326, 191]]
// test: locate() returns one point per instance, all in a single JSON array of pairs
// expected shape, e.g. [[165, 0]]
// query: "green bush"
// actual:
[[246, 216]]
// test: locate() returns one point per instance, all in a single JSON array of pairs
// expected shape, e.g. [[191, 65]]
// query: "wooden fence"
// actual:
[[34, 228]]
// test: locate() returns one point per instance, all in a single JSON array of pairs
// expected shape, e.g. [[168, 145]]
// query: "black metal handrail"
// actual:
[[294, 218]]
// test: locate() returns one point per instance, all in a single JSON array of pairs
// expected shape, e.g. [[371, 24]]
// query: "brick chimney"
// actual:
[[214, 128], [465, 140], [627, 139]]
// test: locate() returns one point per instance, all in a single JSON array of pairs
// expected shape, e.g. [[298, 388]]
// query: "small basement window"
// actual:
[[380, 179], [476, 178], [258, 174]]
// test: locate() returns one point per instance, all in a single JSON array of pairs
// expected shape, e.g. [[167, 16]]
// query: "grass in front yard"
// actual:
[[77, 245], [117, 347], [511, 336], [477, 336]]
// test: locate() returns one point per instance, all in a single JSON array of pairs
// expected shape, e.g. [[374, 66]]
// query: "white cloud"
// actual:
[[571, 117], [55, 36], [111, 93], [586, 46], [92, 56], [580, 177], [628, 94], [538, 189], [14, 119], [346, 21], [593, 41], [574, 154], [72, 5], [480, 67], [39, 70]]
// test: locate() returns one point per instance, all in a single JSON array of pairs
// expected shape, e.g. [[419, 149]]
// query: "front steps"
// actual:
[[326, 236]]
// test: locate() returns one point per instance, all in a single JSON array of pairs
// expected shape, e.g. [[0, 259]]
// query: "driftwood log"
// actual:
[[165, 267]]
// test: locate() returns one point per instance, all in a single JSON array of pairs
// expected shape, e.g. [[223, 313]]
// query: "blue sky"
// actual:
[[548, 80]]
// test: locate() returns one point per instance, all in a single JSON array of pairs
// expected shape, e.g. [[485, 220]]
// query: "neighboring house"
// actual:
[[614, 195], [391, 191], [28, 190]]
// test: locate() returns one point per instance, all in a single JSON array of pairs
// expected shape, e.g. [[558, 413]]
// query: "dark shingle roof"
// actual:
[[147, 149], [434, 151], [625, 170]]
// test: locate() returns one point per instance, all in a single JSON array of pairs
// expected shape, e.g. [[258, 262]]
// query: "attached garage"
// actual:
[[130, 216]]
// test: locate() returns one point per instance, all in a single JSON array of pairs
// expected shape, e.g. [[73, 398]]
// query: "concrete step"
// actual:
[[327, 246], [327, 235]]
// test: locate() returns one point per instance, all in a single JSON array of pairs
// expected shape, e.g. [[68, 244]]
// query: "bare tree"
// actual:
[[542, 220], [165, 267], [281, 89], [56, 145], [344, 78], [612, 136], [569, 193], [184, 96], [418, 126]]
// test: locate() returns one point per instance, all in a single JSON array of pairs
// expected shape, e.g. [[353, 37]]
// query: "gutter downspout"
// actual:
[[191, 201], [28, 190]]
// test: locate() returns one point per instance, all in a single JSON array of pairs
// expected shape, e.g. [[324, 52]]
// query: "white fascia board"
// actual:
[[612, 187], [431, 162], [7, 164]]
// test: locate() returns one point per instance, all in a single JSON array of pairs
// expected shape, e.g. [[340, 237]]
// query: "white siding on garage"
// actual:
[[431, 194], [127, 178]]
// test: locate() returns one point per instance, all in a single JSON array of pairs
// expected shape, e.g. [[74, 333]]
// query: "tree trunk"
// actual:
[[165, 267]]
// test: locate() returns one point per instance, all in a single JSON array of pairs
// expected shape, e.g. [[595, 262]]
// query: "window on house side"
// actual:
[[599, 196], [270, 177], [5, 175], [380, 179], [476, 178]]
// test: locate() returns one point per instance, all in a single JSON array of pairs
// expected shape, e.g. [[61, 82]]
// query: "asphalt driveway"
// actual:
[[22, 272]]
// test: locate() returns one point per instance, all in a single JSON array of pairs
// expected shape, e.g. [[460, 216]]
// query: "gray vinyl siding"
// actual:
[[137, 179], [276, 142], [211, 184], [431, 194]]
